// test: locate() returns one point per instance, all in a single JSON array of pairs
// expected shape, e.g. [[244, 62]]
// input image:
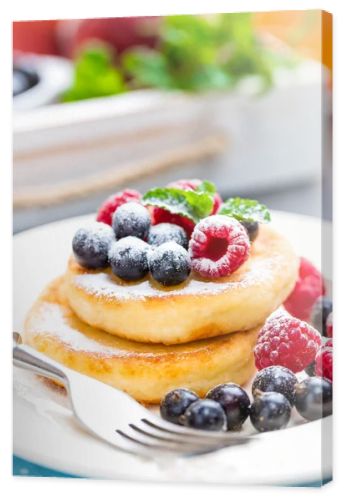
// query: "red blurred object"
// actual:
[[309, 286], [121, 33], [65, 37], [35, 36]]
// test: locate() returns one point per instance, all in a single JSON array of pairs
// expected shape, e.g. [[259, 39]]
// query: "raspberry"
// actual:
[[286, 341], [308, 288], [218, 246], [113, 202], [160, 215], [324, 362]]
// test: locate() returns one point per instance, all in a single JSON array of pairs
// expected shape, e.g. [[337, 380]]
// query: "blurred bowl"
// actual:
[[50, 76]]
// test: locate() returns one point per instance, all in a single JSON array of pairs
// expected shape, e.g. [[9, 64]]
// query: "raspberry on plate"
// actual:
[[219, 246], [324, 362], [308, 288], [288, 342], [113, 202]]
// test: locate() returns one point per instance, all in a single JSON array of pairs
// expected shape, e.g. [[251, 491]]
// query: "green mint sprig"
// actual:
[[194, 204], [245, 210]]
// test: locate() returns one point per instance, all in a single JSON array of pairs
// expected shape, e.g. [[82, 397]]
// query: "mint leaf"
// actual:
[[194, 205], [206, 187], [245, 210]]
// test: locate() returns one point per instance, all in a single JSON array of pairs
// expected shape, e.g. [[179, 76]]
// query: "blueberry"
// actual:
[[235, 402], [270, 411], [128, 258], [311, 369], [131, 219], [175, 403], [276, 379], [252, 229], [314, 398], [91, 244], [206, 415], [169, 264], [320, 312], [164, 232]]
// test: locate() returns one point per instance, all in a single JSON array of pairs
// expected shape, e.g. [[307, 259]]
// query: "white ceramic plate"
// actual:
[[44, 429]]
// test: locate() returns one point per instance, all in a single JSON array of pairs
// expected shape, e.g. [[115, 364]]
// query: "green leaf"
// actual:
[[206, 187], [194, 205], [94, 74], [245, 210]]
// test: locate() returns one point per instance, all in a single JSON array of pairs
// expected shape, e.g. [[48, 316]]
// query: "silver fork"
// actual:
[[118, 419]]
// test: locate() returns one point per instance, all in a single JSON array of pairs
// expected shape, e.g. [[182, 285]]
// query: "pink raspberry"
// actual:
[[324, 362], [161, 215], [286, 341], [218, 246], [308, 288], [113, 202]]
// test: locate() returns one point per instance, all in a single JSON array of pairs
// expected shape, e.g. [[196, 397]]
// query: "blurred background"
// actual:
[[243, 100]]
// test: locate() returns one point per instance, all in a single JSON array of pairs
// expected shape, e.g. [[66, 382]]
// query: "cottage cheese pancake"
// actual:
[[145, 371], [145, 311]]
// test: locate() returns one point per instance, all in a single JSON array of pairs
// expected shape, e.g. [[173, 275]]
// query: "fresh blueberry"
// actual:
[[169, 264], [131, 219], [270, 411], [175, 403], [314, 398], [320, 312], [91, 244], [276, 379], [252, 229], [206, 415], [235, 402], [164, 232], [128, 258]]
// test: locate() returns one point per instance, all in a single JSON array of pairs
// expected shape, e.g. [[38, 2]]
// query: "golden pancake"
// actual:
[[198, 308], [145, 371]]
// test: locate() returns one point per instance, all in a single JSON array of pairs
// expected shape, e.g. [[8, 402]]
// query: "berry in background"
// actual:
[[131, 219], [288, 342], [91, 244], [128, 258], [235, 402], [308, 288], [320, 313], [218, 247], [252, 229], [175, 403], [324, 362], [314, 398], [113, 202]]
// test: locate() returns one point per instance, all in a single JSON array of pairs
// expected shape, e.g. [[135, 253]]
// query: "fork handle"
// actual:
[[28, 358]]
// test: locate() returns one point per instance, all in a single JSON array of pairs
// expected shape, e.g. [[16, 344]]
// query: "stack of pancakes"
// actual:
[[147, 339]]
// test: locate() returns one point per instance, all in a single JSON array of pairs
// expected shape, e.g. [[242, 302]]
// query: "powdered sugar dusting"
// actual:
[[103, 284], [49, 320]]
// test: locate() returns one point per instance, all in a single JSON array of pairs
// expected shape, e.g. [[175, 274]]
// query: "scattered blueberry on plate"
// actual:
[[175, 403], [235, 402]]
